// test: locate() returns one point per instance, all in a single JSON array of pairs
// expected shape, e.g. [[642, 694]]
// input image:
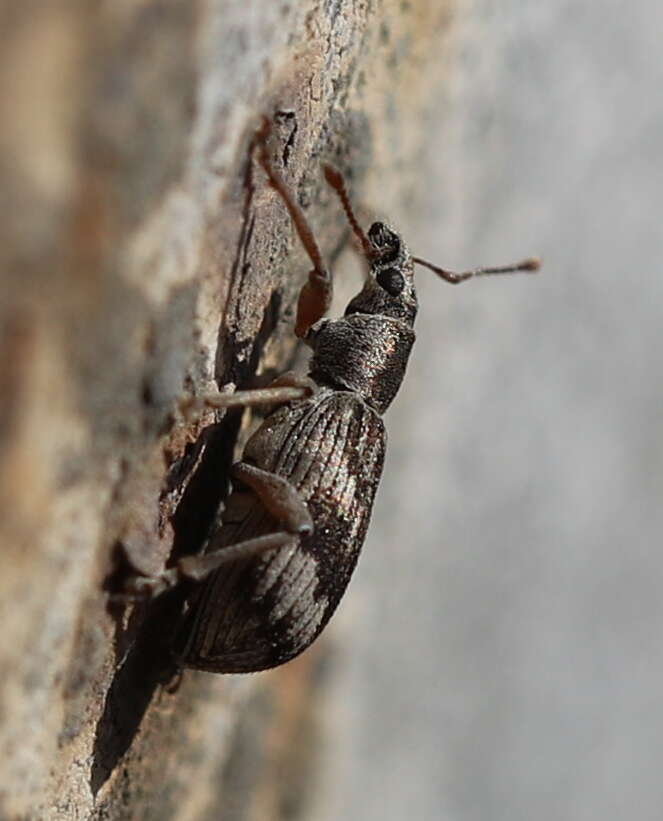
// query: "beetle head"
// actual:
[[389, 287]]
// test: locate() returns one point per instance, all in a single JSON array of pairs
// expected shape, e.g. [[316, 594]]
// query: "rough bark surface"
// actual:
[[143, 258]]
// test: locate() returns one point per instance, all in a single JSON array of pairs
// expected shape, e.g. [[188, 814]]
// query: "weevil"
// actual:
[[280, 559]]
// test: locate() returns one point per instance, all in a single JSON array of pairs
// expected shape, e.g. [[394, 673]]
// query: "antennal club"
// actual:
[[337, 182], [529, 265]]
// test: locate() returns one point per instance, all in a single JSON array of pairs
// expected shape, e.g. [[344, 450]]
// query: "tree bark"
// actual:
[[144, 258]]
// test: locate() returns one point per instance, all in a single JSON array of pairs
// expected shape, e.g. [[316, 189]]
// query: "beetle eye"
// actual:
[[391, 280]]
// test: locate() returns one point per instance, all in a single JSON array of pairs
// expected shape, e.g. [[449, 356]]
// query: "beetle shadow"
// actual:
[[145, 642]]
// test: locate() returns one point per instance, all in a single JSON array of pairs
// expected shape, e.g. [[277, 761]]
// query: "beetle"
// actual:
[[280, 559]]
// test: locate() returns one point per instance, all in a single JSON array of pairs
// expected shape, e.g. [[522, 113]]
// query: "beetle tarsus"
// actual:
[[278, 393]]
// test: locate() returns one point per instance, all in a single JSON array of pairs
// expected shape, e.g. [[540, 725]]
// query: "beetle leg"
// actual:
[[314, 301], [278, 496], [198, 567], [287, 387], [316, 294]]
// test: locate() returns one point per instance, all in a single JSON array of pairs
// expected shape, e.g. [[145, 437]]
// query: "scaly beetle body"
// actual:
[[281, 557], [261, 611]]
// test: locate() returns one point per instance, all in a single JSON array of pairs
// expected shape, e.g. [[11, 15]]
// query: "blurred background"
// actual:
[[512, 576]]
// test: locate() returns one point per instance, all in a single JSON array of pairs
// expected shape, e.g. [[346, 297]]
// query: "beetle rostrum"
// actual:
[[281, 555]]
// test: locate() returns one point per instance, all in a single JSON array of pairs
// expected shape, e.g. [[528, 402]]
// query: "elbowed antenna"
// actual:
[[316, 294], [335, 179], [278, 184], [529, 265]]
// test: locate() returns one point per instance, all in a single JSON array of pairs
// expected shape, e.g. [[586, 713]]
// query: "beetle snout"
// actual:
[[383, 237]]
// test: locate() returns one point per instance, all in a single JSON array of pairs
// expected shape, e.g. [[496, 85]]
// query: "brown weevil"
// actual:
[[281, 556]]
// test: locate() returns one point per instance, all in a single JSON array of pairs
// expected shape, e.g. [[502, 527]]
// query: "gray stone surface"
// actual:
[[505, 623], [140, 262]]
